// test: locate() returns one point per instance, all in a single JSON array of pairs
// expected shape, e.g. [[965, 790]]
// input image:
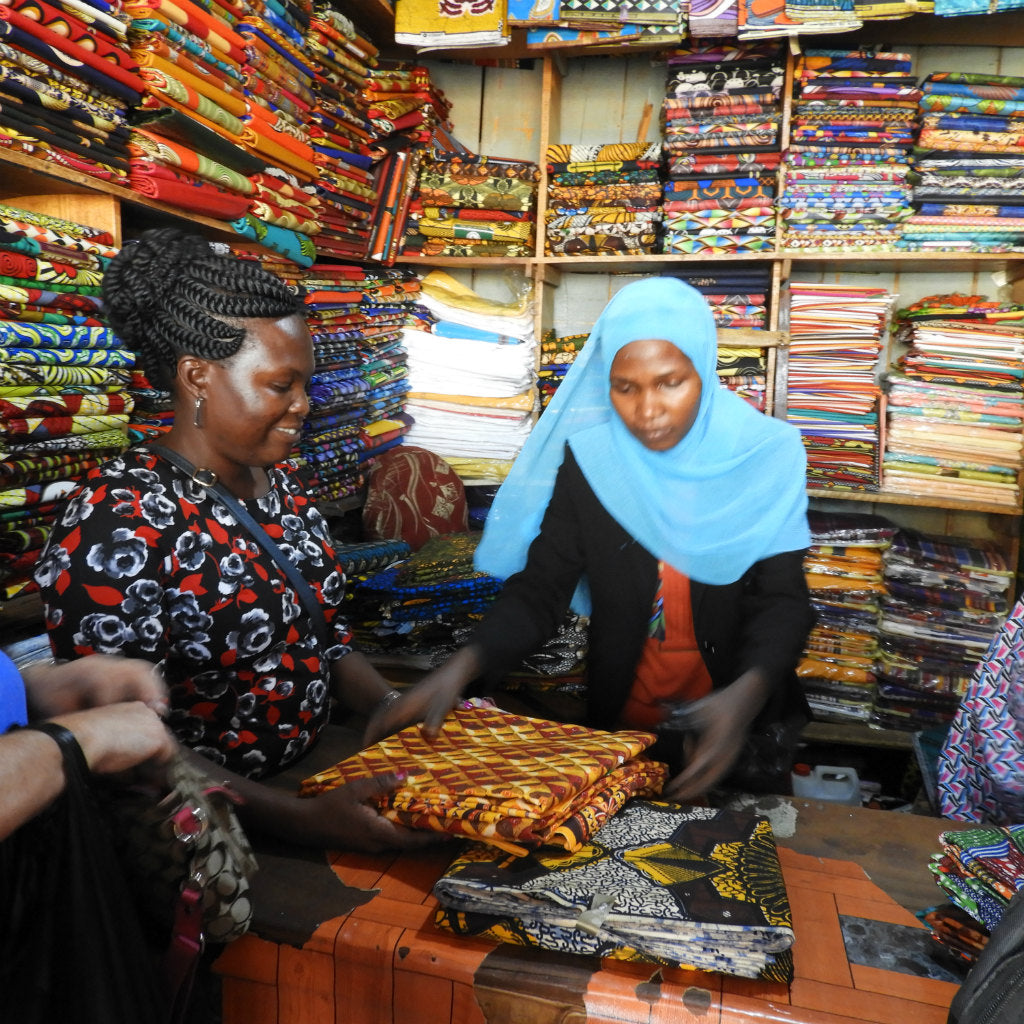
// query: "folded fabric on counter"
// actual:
[[512, 782], [683, 886]]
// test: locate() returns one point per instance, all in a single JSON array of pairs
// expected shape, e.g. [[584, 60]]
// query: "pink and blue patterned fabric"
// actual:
[[981, 764]]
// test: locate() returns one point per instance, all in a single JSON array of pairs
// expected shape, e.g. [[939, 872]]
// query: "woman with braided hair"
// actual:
[[147, 561]]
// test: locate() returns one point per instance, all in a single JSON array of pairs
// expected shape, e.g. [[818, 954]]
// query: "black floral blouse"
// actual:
[[143, 562]]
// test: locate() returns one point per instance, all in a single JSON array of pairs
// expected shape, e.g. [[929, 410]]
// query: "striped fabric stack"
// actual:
[[956, 404], [945, 601], [603, 200], [836, 339], [357, 394], [67, 81], [721, 138], [341, 134], [969, 165], [64, 405], [846, 170], [845, 573], [467, 205]]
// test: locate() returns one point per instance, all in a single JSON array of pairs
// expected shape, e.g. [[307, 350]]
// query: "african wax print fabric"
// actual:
[[833, 396], [945, 600], [482, 199], [981, 870], [66, 78], [688, 886], [720, 119], [512, 782], [845, 574], [980, 762], [360, 379], [846, 179], [956, 400], [429, 24], [583, 218], [63, 399], [970, 151]]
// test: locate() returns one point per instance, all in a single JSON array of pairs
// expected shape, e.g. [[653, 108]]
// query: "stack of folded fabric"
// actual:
[[411, 115], [186, 141], [557, 354], [836, 338], [956, 405], [341, 133], [846, 170], [67, 80], [64, 406], [469, 205], [421, 606], [969, 165], [512, 782], [678, 886], [945, 601], [845, 575], [738, 297], [603, 200], [427, 25], [980, 870], [721, 119], [472, 378], [357, 393]]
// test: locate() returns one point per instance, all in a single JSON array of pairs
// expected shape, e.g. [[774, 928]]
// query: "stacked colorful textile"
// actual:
[[845, 575], [738, 297], [603, 200], [512, 782], [969, 165], [341, 133], [427, 25], [946, 599], [980, 870], [371, 555], [411, 113], [836, 334], [186, 142], [693, 887], [956, 409], [845, 179], [582, 23], [556, 356], [472, 377], [778, 18], [357, 393], [721, 120], [67, 80], [64, 406], [469, 205]]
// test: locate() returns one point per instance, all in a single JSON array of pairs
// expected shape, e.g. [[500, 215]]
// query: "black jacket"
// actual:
[[760, 620]]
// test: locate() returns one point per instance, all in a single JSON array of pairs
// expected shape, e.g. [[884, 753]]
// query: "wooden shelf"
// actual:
[[857, 734], [927, 500]]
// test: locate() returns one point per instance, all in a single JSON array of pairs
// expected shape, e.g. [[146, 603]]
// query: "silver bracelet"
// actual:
[[387, 700]]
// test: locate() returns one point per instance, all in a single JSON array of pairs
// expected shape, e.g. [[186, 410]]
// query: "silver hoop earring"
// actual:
[[197, 412]]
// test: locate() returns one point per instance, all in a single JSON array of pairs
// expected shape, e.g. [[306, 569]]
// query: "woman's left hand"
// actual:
[[722, 720]]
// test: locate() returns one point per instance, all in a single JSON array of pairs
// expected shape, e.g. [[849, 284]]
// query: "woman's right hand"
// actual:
[[348, 818], [429, 701]]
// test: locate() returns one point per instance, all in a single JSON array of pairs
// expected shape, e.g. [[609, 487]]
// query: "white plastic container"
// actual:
[[826, 782]]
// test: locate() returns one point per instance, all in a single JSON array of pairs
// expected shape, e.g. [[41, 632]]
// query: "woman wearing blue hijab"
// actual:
[[670, 511]]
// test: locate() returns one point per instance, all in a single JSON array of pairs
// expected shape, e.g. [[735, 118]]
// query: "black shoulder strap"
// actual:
[[241, 514]]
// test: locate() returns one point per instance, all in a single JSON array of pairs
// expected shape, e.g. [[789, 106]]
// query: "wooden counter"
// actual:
[[349, 939]]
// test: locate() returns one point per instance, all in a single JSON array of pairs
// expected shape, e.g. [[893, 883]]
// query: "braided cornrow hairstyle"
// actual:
[[170, 293]]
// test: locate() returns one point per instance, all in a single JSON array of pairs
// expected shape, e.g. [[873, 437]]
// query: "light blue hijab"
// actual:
[[731, 492]]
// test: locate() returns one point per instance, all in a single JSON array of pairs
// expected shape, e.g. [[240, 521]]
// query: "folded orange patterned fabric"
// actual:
[[514, 782]]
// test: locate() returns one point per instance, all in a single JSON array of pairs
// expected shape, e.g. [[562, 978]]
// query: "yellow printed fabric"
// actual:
[[516, 783]]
